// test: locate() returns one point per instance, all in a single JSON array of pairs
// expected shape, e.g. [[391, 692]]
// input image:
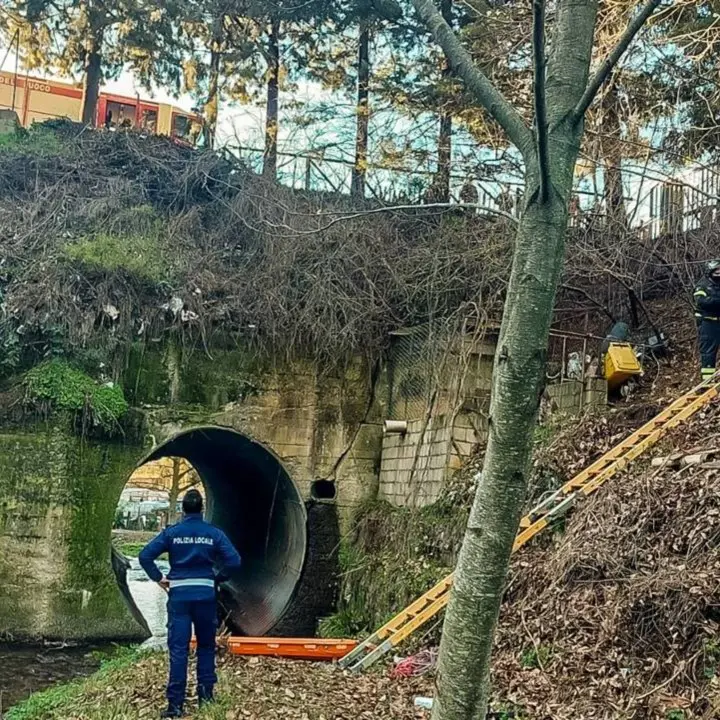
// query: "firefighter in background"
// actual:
[[707, 314]]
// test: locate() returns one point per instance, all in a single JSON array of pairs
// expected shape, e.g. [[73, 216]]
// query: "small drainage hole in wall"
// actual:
[[323, 490]]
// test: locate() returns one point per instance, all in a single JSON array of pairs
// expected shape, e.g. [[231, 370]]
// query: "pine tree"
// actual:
[[90, 37]]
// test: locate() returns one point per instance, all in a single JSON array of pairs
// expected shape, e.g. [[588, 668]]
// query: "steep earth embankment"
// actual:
[[620, 619]]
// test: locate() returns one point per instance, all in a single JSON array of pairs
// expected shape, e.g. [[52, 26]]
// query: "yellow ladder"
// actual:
[[554, 506]]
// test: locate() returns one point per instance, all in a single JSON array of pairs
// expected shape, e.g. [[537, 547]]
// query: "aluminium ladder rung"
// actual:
[[396, 624], [557, 504]]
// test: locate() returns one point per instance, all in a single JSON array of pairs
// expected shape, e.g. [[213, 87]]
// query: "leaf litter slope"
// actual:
[[621, 619], [249, 689]]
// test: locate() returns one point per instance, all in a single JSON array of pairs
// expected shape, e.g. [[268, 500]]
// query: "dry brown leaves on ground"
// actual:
[[250, 689], [283, 689], [621, 621]]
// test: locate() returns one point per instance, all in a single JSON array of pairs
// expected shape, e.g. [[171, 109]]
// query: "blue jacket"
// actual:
[[707, 299], [195, 549]]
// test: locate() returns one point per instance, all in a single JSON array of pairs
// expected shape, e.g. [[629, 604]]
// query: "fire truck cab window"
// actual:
[[119, 115], [186, 129], [181, 127], [149, 120]]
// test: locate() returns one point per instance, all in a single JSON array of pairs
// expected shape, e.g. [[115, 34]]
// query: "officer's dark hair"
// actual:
[[192, 502]]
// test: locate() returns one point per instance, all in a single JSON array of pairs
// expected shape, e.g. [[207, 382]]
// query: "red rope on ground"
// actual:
[[415, 665]]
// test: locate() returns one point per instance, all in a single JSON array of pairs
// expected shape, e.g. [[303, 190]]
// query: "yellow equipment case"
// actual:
[[620, 364]]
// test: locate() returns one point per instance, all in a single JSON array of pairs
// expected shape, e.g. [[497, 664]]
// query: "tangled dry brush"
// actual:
[[118, 235], [106, 237]]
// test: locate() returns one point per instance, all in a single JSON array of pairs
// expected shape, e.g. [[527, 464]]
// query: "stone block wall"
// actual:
[[446, 414], [572, 396], [415, 466], [58, 495], [320, 427]]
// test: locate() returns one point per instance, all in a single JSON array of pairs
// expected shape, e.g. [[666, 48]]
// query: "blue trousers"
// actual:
[[183, 614]]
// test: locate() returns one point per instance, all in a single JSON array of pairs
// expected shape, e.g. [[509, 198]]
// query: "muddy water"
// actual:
[[25, 670]]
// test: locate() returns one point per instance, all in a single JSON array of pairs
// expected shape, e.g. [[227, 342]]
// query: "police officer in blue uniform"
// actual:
[[707, 314], [195, 548]]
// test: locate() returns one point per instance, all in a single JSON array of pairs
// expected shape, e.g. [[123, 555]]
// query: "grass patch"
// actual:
[[56, 702], [143, 255], [534, 658], [37, 140], [131, 550]]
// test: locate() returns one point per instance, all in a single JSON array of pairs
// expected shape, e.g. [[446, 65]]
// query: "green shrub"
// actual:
[[534, 658], [675, 715], [38, 140], [62, 387]]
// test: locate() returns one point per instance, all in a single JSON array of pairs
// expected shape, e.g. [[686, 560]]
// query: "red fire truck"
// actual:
[[36, 100]]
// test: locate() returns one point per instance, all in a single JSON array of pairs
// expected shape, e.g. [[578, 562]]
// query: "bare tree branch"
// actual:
[[539, 95], [494, 102], [604, 71]]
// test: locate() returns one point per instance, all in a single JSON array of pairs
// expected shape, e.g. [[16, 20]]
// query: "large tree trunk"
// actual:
[[359, 171], [213, 97], [92, 79], [442, 180], [562, 93], [463, 681], [550, 153], [272, 110], [612, 155]]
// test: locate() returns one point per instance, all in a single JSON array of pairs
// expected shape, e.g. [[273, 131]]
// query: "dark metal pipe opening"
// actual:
[[323, 490], [254, 500]]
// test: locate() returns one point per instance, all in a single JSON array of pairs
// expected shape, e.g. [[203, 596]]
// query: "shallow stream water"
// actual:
[[149, 597], [25, 670]]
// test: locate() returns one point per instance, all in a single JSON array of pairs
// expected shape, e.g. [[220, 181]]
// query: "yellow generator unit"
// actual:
[[620, 364]]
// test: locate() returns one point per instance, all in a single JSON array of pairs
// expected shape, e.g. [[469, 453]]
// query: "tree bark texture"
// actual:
[[463, 684], [212, 105], [445, 129], [465, 650], [272, 109], [92, 79], [612, 155], [359, 171]]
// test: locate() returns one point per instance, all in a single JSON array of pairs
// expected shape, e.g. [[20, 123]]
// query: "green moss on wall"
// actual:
[[32, 487], [146, 379], [158, 376], [89, 603], [59, 494], [222, 377]]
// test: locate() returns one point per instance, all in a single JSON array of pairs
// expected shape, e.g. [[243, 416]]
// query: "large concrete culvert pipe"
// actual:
[[254, 500]]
